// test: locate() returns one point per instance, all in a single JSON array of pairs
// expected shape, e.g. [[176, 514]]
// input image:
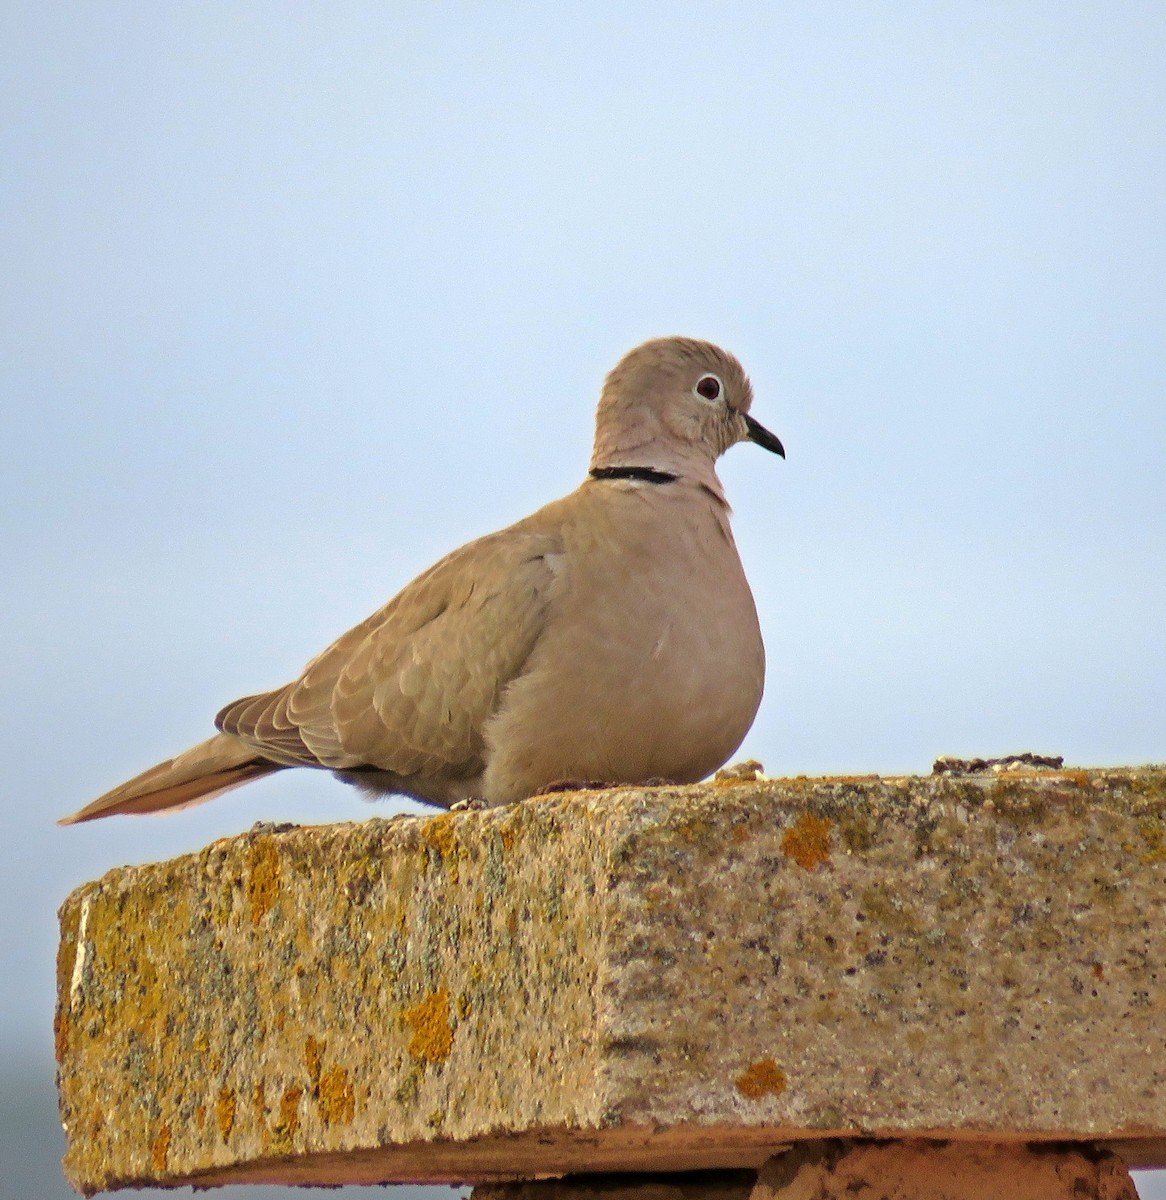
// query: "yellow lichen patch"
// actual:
[[262, 878], [314, 1059], [144, 1005], [1155, 835], [61, 1033], [807, 841], [225, 1111], [432, 1038], [284, 1131], [438, 834], [335, 1096], [160, 1150], [762, 1078]]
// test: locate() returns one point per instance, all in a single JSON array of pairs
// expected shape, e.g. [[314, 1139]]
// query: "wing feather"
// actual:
[[410, 689]]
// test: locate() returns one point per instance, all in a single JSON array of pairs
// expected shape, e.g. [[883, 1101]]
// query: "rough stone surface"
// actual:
[[630, 980]]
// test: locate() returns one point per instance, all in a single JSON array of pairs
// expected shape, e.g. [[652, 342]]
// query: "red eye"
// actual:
[[709, 386]]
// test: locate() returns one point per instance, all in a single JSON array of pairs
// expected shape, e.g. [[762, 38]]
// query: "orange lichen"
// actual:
[[225, 1111], [61, 1033], [1155, 836], [762, 1078], [335, 1096], [807, 841], [432, 1038], [160, 1150], [314, 1059], [262, 878], [438, 834], [284, 1130]]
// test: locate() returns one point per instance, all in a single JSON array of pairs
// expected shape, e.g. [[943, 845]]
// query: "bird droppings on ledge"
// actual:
[[607, 975], [948, 765], [742, 772]]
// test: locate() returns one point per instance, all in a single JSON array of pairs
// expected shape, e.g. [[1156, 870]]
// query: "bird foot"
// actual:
[[469, 804]]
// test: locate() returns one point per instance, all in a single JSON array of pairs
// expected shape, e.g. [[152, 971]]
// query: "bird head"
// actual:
[[676, 405]]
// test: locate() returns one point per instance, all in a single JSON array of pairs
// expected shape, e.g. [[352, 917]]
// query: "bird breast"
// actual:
[[657, 627]]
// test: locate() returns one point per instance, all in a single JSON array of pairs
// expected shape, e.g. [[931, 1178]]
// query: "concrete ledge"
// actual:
[[630, 980]]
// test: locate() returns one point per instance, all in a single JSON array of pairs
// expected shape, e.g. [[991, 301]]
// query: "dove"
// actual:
[[609, 638]]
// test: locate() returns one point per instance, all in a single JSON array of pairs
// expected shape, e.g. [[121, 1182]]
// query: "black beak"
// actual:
[[759, 434]]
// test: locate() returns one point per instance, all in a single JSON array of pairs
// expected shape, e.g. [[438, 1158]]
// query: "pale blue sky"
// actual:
[[295, 298]]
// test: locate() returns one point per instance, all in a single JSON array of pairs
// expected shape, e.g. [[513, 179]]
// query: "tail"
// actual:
[[198, 774]]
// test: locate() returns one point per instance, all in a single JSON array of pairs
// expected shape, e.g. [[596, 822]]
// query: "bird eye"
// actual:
[[709, 387]]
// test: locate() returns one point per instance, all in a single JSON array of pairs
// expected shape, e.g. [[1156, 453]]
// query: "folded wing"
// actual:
[[410, 690]]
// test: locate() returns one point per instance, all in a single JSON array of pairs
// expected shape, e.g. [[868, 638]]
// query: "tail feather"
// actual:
[[200, 773]]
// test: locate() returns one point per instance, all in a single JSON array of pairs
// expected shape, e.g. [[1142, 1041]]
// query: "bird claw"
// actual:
[[469, 804]]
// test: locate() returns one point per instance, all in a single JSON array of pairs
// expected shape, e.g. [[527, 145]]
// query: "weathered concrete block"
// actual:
[[629, 980]]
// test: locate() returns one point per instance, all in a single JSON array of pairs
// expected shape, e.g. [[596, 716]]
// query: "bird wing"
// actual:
[[411, 689]]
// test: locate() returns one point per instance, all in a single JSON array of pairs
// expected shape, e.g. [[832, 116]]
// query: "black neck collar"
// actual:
[[643, 474]]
